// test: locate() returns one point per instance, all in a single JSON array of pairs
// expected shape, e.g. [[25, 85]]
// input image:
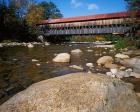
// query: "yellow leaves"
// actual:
[[35, 15], [99, 38]]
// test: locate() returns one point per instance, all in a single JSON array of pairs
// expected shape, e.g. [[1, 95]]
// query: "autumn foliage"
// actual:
[[35, 15]]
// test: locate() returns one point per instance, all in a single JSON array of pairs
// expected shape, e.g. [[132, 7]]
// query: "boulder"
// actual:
[[35, 60], [114, 70], [76, 67], [76, 51], [138, 94], [133, 63], [122, 67], [89, 65], [132, 52], [30, 45], [40, 38], [110, 74], [89, 50], [46, 43], [111, 66], [1, 45], [78, 92], [62, 57], [105, 59], [136, 75], [121, 56], [38, 64], [121, 74]]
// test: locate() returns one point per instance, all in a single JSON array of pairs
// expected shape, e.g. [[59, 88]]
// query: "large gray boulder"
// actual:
[[77, 92]]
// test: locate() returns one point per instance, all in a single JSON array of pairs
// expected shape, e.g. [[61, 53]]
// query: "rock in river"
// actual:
[[30, 45], [76, 51], [76, 67], [35, 60], [121, 56], [89, 65], [132, 52], [136, 75], [111, 66], [62, 57], [78, 92], [105, 59], [133, 63], [1, 45]]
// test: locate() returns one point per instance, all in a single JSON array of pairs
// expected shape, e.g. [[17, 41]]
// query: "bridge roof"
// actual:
[[92, 17]]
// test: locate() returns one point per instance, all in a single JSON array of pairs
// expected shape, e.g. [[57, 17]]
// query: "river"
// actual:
[[18, 70]]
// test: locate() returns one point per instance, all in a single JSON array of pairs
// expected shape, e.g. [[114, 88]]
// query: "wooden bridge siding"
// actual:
[[90, 30], [87, 27]]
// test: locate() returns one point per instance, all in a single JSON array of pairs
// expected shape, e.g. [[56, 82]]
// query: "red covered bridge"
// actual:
[[117, 23]]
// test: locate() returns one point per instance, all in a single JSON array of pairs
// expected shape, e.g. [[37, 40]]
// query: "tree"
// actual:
[[50, 10], [34, 15], [133, 4], [21, 7], [18, 18], [133, 8]]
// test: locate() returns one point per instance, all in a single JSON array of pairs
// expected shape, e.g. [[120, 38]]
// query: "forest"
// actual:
[[18, 18]]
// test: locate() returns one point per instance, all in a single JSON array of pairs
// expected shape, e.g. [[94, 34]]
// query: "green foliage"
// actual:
[[6, 41], [136, 41], [82, 38], [124, 42], [50, 10], [133, 4], [111, 37], [121, 43], [58, 39]]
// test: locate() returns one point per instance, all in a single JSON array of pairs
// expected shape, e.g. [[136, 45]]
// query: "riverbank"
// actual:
[[96, 43]]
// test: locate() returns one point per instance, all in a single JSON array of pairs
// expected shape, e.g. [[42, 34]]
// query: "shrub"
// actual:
[[111, 37], [124, 42], [121, 43]]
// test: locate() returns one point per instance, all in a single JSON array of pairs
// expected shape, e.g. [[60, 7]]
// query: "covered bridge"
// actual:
[[112, 23]]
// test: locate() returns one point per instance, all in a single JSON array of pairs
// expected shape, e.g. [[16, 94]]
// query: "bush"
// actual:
[[82, 39], [137, 41], [124, 42], [6, 41], [121, 43], [111, 37]]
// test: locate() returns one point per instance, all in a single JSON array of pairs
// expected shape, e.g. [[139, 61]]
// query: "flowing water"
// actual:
[[18, 71]]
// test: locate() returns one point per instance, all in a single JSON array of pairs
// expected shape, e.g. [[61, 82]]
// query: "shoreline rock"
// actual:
[[77, 92]]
